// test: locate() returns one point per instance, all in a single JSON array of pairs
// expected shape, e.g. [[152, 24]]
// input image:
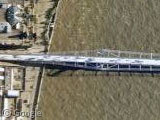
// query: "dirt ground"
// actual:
[[40, 10], [113, 24]]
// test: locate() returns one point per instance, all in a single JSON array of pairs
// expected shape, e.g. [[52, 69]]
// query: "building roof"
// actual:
[[5, 27], [11, 15]]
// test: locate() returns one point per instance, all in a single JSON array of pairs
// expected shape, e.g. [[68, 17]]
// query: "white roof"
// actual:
[[1, 92], [13, 93], [1, 69], [6, 104], [1, 77]]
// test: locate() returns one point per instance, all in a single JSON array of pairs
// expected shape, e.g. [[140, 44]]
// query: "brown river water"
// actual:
[[113, 24]]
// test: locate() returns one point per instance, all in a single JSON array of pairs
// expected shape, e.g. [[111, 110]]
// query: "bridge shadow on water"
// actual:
[[55, 71], [87, 73]]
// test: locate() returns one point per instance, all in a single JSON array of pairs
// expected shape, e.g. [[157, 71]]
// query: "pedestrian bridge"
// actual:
[[96, 60]]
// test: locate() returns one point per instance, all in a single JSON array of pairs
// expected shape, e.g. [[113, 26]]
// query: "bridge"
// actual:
[[96, 60]]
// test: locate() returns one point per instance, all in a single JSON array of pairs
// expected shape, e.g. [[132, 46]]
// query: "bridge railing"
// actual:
[[111, 53], [109, 67]]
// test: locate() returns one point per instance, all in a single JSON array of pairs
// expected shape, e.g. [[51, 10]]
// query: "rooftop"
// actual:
[[5, 27], [11, 15]]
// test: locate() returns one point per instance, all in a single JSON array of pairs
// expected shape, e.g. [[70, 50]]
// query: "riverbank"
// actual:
[[46, 34]]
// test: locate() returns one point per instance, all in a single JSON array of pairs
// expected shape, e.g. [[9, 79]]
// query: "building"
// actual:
[[5, 27], [12, 15], [10, 24], [11, 85]]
